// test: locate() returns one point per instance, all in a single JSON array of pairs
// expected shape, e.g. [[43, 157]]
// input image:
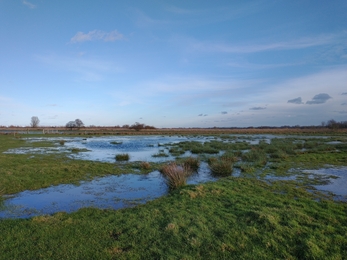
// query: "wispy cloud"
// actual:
[[301, 43], [296, 101], [224, 112], [144, 20], [28, 4], [344, 93], [255, 66], [181, 11], [319, 99], [97, 35], [87, 69]]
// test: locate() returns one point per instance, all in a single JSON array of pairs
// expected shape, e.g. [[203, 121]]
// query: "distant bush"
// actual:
[[137, 126]]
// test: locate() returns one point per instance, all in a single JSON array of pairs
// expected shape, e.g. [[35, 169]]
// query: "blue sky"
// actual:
[[173, 63]]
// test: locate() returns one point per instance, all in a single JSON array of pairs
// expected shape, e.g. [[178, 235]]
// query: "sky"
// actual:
[[179, 63]]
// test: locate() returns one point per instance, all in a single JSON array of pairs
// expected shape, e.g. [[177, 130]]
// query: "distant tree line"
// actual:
[[137, 126], [77, 123], [332, 124]]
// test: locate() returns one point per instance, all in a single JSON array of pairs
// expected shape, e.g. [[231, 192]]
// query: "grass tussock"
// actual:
[[256, 156], [192, 163], [122, 157], [160, 154], [116, 142], [247, 167], [222, 166], [175, 174]]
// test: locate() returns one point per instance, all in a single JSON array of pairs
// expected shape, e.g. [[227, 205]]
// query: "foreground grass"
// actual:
[[233, 218]]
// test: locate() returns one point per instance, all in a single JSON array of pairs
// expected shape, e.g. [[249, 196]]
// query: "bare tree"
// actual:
[[137, 126], [34, 121], [75, 124], [79, 123], [71, 124]]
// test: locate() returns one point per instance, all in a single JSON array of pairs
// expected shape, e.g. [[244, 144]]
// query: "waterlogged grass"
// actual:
[[233, 218], [19, 172]]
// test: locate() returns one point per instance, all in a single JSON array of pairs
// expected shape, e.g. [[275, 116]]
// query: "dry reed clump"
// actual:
[[145, 165], [175, 174]]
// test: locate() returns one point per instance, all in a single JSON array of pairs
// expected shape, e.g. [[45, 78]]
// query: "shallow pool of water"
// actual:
[[114, 192], [336, 185], [140, 148]]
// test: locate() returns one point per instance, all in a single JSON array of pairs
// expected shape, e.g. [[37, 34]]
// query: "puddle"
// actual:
[[337, 184], [113, 192], [334, 179]]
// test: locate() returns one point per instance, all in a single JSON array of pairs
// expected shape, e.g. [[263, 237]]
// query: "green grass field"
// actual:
[[232, 218]]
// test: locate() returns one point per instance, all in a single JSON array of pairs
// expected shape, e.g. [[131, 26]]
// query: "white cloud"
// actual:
[[97, 35], [28, 4]]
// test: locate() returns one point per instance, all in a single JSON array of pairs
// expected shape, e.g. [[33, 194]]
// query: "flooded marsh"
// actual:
[[306, 160]]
